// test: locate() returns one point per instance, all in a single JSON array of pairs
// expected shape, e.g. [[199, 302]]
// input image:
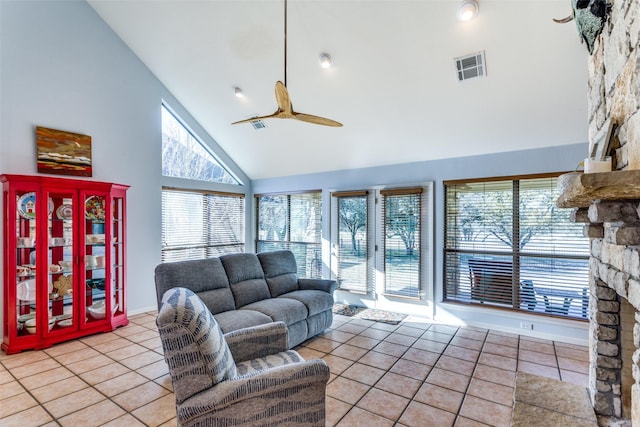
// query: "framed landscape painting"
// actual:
[[63, 153]]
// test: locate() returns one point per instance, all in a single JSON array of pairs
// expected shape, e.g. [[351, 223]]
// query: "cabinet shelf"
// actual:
[[38, 237]]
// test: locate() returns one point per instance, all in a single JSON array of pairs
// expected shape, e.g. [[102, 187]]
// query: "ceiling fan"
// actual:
[[285, 109]]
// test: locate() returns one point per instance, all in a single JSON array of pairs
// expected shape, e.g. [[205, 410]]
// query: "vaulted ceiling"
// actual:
[[393, 84]]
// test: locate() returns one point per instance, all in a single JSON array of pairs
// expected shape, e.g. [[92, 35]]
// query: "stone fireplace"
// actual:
[[609, 205]]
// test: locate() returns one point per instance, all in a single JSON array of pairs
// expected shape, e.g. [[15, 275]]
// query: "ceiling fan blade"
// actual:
[[253, 119], [282, 97], [317, 120]]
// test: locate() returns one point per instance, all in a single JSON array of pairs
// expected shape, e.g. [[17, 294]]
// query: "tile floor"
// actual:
[[417, 373]]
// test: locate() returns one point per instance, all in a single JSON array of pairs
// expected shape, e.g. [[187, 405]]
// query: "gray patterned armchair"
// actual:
[[244, 378]]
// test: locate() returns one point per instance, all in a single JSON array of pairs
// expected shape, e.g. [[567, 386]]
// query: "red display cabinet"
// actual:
[[64, 260]]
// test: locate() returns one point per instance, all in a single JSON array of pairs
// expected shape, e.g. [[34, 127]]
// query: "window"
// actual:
[[185, 156], [350, 249], [293, 222], [402, 243], [197, 225], [508, 245]]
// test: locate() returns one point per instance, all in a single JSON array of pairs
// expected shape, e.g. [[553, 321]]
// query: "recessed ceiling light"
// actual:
[[325, 60], [467, 10], [238, 92]]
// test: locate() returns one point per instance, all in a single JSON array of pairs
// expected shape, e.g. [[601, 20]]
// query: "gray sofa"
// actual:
[[247, 289]]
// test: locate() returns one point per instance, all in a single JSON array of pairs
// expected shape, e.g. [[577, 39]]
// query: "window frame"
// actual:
[[519, 299]]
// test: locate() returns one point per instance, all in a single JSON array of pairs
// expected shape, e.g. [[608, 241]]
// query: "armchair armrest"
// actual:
[[245, 395], [258, 341], [326, 285]]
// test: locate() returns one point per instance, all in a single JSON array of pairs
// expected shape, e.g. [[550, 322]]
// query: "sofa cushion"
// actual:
[[237, 319], [285, 310], [194, 347], [314, 301], [280, 270], [206, 278], [245, 278]]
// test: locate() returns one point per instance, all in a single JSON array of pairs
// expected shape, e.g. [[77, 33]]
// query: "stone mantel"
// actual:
[[579, 190]]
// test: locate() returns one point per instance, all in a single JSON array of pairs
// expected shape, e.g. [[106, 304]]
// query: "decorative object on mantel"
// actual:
[[63, 153], [599, 159], [590, 17], [285, 108]]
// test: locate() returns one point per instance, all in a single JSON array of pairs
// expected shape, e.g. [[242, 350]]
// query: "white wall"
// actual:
[[62, 67]]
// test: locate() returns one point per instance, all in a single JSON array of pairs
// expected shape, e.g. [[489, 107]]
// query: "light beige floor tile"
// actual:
[[462, 353], [383, 403], [486, 412], [419, 414], [131, 330], [531, 344], [472, 334], [436, 336], [540, 370], [126, 351], [351, 328], [142, 359], [126, 420], [378, 334], [140, 396], [338, 336], [496, 375], [75, 356], [429, 345], [309, 353], [15, 404], [120, 384], [390, 348], [378, 360], [89, 364], [448, 379], [500, 349], [35, 416], [580, 353], [580, 366], [11, 389], [21, 359], [410, 331], [491, 391], [165, 381], [357, 417], [153, 343], [65, 347], [455, 365], [154, 370], [467, 343], [439, 397], [363, 342], [104, 373], [346, 390], [400, 339], [97, 339], [112, 345], [466, 422], [322, 344], [5, 377], [335, 410], [411, 369], [350, 352], [72, 402], [424, 357], [337, 364], [398, 384], [537, 357], [46, 377], [94, 415], [445, 329], [498, 338], [40, 366], [58, 389], [363, 373], [157, 412], [497, 361], [575, 378]]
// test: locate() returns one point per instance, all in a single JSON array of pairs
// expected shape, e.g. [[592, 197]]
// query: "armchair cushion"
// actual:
[[194, 346]]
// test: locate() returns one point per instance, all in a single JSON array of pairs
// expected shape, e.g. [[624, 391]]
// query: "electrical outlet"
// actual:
[[526, 325]]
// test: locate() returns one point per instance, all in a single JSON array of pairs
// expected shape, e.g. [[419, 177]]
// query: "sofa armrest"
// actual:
[[250, 393], [326, 285], [258, 341]]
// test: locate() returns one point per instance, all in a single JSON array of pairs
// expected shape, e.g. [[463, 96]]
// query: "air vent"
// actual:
[[258, 124], [470, 66]]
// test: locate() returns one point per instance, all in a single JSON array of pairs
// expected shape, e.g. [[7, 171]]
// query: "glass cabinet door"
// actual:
[[117, 257], [59, 267], [26, 236], [94, 258]]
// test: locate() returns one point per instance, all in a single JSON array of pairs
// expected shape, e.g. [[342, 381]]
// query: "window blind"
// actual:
[[351, 248], [401, 222], [508, 245], [292, 222], [197, 225]]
